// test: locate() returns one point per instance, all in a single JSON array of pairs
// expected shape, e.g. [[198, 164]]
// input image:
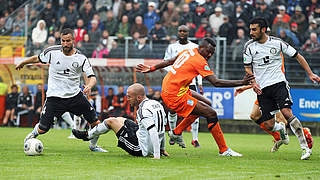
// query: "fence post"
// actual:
[[217, 66], [26, 28]]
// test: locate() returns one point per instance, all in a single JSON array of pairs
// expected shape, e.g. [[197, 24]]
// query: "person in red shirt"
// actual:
[[190, 104]]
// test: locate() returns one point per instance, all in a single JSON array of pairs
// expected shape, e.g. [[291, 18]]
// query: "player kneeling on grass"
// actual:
[[146, 138]]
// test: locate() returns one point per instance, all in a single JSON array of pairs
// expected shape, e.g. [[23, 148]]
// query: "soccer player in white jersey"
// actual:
[[172, 51], [64, 94], [146, 138], [263, 57]]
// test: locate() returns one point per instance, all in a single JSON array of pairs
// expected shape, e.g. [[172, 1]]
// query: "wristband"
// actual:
[[152, 68]]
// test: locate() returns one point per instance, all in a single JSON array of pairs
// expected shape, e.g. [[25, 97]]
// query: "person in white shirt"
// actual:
[[142, 139], [64, 93], [172, 51], [263, 57]]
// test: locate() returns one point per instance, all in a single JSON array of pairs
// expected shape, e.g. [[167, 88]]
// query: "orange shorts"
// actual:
[[256, 102], [182, 105]]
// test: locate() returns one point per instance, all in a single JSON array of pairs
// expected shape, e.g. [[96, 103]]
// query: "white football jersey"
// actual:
[[64, 71], [150, 114], [267, 60], [174, 49]]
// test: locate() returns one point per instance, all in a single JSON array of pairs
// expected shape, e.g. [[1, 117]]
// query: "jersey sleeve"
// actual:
[[45, 56], [288, 49], [203, 68], [247, 57], [87, 68], [168, 54]]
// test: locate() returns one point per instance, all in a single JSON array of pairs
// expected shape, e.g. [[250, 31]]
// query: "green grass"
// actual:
[[65, 158]]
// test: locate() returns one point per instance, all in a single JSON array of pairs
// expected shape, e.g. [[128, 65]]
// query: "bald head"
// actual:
[[183, 27], [136, 94]]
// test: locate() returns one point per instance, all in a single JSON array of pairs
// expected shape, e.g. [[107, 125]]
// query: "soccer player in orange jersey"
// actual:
[[190, 104]]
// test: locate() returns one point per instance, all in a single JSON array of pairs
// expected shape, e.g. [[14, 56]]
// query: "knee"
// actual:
[[254, 117], [110, 121], [212, 113]]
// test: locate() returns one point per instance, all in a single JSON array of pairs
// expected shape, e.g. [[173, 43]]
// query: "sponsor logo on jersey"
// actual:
[[190, 102], [75, 64], [58, 62]]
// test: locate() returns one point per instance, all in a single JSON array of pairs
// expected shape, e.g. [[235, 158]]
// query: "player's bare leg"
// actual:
[[297, 129], [203, 108]]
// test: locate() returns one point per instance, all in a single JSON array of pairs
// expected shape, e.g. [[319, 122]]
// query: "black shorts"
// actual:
[[55, 107], [127, 138], [273, 98]]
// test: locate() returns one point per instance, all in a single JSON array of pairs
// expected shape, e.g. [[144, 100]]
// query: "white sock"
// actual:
[[94, 141], [99, 129], [195, 129], [68, 119], [297, 129], [76, 122], [35, 131], [277, 126], [172, 120]]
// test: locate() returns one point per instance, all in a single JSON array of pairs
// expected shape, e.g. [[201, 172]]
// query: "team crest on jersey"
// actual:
[[207, 68], [273, 51], [75, 64]]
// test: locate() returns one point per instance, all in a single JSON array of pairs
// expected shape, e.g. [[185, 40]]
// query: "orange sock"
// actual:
[[218, 137], [185, 123], [276, 135]]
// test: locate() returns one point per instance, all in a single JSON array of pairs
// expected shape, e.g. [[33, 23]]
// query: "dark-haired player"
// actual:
[[64, 93], [188, 103], [263, 56]]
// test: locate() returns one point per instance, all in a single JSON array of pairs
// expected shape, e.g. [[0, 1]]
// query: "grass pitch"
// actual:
[[65, 158]]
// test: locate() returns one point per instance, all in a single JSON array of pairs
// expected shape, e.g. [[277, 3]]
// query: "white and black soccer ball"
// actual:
[[33, 147]]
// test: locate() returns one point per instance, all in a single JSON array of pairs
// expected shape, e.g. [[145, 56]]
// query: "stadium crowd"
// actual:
[[101, 25]]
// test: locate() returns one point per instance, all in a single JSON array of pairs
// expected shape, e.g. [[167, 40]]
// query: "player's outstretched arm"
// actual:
[[31, 60], [229, 83], [146, 69], [240, 90], [313, 77]]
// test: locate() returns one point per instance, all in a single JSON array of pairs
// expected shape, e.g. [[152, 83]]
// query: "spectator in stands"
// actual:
[[2, 25], [209, 6], [137, 9], [94, 32], [38, 101], [17, 31], [117, 9], [116, 51], [11, 106], [48, 14], [285, 38], [100, 23], [265, 12], [227, 7], [151, 17], [135, 39], [169, 14], [128, 11], [87, 13], [241, 25], [312, 45], [102, 6], [57, 36], [105, 36], [138, 26], [246, 8], [120, 102], [300, 19], [200, 13], [279, 24], [142, 50], [123, 27], [79, 32], [25, 105], [186, 15], [51, 42], [157, 32], [157, 96], [80, 47], [101, 50], [108, 109], [62, 24], [88, 45], [240, 14], [315, 15], [39, 33], [238, 44], [95, 100], [71, 15], [150, 93], [192, 28], [292, 5], [9, 21], [202, 30], [282, 16], [173, 28], [310, 6], [19, 20], [294, 35], [216, 20], [226, 30], [110, 23], [313, 27]]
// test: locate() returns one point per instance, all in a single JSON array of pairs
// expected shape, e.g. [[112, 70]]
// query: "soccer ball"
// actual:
[[33, 147]]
